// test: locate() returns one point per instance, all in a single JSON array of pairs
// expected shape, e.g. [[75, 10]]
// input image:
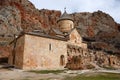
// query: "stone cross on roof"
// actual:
[[65, 16]]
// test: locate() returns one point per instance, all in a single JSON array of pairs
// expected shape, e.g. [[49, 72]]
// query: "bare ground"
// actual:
[[17, 74], [26, 75]]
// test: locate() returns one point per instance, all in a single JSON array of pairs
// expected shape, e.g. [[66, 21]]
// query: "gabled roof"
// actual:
[[41, 34], [48, 36]]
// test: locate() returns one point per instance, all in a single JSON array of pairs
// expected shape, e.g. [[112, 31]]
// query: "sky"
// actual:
[[111, 7]]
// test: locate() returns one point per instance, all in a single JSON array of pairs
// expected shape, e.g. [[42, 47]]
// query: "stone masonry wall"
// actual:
[[44, 53], [76, 39], [65, 25]]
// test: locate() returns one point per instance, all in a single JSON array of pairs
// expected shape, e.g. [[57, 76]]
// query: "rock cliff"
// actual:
[[98, 29]]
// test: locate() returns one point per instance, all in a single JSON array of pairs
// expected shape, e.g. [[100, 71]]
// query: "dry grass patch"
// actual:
[[98, 76]]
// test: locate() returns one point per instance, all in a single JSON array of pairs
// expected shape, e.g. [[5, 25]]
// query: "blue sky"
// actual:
[[111, 7]]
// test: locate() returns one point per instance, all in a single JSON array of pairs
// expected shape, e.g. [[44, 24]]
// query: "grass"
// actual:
[[99, 76], [35, 79], [109, 67], [47, 71]]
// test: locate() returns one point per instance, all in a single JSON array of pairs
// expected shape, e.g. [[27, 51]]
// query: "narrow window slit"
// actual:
[[50, 47]]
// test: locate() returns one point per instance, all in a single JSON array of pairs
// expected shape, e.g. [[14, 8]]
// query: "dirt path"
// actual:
[[16, 74], [25, 75], [21, 75]]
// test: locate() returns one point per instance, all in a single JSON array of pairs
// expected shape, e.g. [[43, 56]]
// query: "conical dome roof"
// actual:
[[65, 16]]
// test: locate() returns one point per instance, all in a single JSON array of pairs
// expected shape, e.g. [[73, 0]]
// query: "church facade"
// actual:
[[42, 51]]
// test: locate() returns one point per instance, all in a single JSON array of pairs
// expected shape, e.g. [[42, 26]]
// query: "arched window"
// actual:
[[62, 60]]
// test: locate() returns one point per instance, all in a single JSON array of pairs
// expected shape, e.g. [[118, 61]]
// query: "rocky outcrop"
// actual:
[[32, 18], [119, 27], [4, 53], [10, 21], [98, 28], [79, 58]]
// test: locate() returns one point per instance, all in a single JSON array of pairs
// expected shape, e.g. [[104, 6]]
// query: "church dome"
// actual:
[[65, 23], [65, 16]]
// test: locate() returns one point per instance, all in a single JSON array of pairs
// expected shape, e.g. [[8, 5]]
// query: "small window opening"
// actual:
[[50, 47]]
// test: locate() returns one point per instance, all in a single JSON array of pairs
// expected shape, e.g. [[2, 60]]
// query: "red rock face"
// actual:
[[90, 31], [31, 18], [4, 51], [94, 22], [99, 26], [119, 27]]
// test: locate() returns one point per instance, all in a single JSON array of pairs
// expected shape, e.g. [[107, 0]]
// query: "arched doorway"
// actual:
[[62, 60]]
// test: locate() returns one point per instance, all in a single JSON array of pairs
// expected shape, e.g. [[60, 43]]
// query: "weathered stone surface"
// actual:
[[119, 27], [4, 51], [10, 21], [35, 52], [79, 58], [99, 26], [30, 17], [15, 55], [76, 39]]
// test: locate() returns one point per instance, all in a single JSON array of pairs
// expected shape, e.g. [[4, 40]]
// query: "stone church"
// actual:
[[37, 50], [62, 47]]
